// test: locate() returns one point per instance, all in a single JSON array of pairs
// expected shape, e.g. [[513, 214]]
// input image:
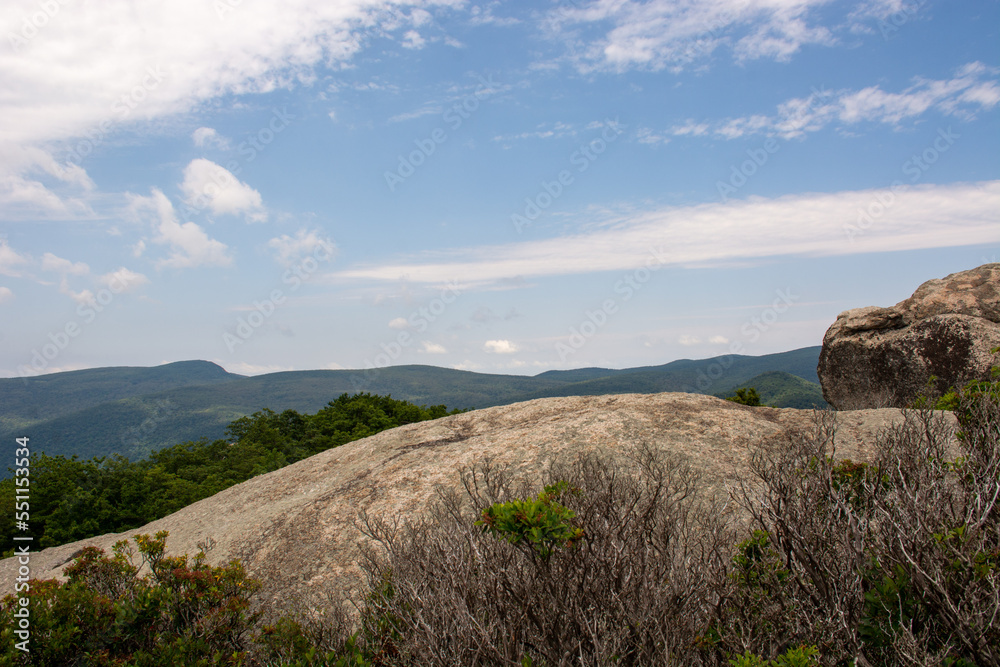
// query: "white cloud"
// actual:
[[64, 266], [399, 323], [189, 245], [208, 137], [83, 297], [413, 40], [688, 340], [34, 184], [646, 135], [208, 185], [555, 130], [689, 128], [968, 92], [432, 348], [138, 248], [90, 70], [781, 36], [883, 9], [6, 295], [484, 16], [813, 224], [11, 260], [123, 280], [675, 34], [500, 347], [718, 340], [74, 72], [291, 250]]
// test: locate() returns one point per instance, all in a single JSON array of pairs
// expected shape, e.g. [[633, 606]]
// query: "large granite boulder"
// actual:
[[883, 357], [295, 528]]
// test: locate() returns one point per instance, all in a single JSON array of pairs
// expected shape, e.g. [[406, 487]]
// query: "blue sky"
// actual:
[[500, 187]]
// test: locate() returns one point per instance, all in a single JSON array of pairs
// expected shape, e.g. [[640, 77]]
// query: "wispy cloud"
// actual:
[[432, 109], [676, 34], [11, 261], [290, 250], [542, 131], [207, 137], [62, 266], [974, 88], [929, 216], [33, 184]]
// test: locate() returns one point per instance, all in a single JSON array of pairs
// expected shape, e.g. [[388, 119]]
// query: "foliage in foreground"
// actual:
[[895, 561], [73, 500], [891, 562]]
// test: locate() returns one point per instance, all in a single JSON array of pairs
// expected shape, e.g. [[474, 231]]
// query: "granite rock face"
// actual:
[[883, 357], [295, 530]]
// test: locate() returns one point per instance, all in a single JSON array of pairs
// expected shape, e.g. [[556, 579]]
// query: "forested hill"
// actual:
[[133, 411], [47, 396]]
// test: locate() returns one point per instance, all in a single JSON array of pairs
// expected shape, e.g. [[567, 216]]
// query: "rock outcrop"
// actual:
[[294, 528], [883, 357]]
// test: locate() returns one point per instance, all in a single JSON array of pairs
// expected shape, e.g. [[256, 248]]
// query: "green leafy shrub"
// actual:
[[541, 523], [182, 612], [803, 656], [954, 398], [757, 563]]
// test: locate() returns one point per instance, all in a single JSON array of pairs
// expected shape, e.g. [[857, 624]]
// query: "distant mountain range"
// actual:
[[133, 411]]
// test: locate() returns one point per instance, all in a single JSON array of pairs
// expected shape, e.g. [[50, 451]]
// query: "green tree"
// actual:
[[746, 396]]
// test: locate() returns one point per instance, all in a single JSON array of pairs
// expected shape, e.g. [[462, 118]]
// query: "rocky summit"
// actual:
[[883, 357], [295, 528]]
